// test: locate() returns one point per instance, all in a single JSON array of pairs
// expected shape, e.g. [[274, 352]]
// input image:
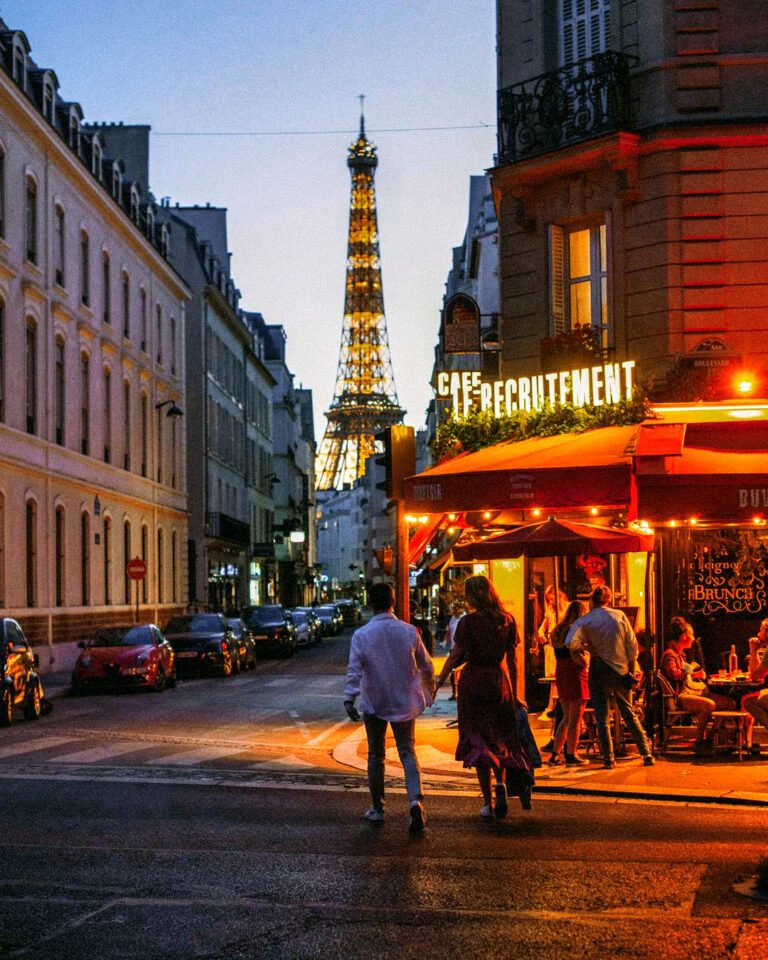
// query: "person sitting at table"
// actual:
[[687, 681], [756, 704]]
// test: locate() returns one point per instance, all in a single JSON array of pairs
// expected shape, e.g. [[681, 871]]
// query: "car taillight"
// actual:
[[224, 646]]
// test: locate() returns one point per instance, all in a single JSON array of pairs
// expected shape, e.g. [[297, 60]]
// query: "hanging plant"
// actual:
[[480, 428]]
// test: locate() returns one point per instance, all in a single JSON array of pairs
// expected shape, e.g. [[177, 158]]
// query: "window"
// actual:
[[107, 416], [60, 556], [579, 279], [106, 288], [30, 361], [174, 455], [164, 240], [85, 370], [126, 288], [144, 544], [173, 346], [96, 158], [174, 572], [2, 192], [48, 101], [30, 238], [59, 396], [126, 559], [107, 561], [31, 553], [160, 445], [135, 205], [160, 567], [117, 183], [85, 559], [159, 333], [143, 318], [585, 27], [126, 425], [144, 434], [151, 224], [74, 132], [85, 268], [19, 66], [59, 248], [2, 550], [2, 360]]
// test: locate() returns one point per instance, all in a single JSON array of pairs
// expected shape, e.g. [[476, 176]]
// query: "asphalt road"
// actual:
[[130, 831]]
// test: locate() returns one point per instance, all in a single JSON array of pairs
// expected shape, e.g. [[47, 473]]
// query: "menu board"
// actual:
[[728, 574]]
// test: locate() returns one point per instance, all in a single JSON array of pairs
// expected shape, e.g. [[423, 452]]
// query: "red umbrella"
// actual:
[[552, 538]]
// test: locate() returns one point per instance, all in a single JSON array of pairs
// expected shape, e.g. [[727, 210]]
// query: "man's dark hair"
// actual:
[[382, 596], [601, 596]]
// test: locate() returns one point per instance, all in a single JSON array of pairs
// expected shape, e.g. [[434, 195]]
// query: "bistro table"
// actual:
[[733, 685]]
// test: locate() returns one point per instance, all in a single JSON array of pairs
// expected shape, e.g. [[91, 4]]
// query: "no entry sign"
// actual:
[[136, 569]]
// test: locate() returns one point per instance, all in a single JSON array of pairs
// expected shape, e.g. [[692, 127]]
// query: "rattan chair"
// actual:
[[676, 724]]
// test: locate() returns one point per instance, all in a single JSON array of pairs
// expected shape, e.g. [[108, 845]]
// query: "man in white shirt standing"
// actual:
[[392, 673], [609, 637]]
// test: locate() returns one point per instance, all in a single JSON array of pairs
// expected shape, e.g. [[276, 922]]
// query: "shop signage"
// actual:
[[607, 383], [729, 578], [461, 325]]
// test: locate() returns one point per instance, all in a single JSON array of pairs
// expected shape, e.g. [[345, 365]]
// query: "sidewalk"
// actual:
[[675, 778]]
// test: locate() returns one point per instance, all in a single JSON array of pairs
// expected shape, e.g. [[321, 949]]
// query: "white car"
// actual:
[[303, 631]]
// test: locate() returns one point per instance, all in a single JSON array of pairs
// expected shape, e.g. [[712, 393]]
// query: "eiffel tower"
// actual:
[[364, 400]]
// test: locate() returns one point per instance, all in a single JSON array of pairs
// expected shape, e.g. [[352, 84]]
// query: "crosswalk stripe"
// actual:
[[97, 754], [29, 746], [191, 757]]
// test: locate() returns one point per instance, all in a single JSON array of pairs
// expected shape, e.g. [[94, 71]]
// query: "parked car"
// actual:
[[351, 612], [246, 645], [203, 643], [19, 679], [132, 656], [331, 618], [272, 629], [315, 625], [304, 632]]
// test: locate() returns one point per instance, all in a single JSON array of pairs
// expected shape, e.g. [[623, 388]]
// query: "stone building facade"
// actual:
[[631, 188], [92, 470]]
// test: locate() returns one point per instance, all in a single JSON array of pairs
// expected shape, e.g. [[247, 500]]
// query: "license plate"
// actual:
[[187, 653], [261, 636]]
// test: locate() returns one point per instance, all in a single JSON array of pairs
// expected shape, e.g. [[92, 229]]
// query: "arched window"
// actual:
[[126, 289], [117, 182], [164, 240], [135, 205], [160, 567], [85, 559], [59, 390], [143, 318], [107, 531], [48, 97], [2, 550], [30, 365], [159, 314], [2, 360], [85, 403], [144, 546], [174, 572], [59, 245], [174, 454], [85, 268], [173, 346], [30, 207], [144, 434], [126, 425], [107, 416], [126, 559], [160, 412], [106, 283], [97, 156], [151, 224], [31, 553], [60, 558], [2, 192], [74, 130], [19, 68]]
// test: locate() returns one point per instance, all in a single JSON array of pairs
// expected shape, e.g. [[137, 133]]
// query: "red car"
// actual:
[[137, 656]]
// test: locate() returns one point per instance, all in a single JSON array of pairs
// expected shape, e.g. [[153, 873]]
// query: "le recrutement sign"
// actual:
[[606, 383]]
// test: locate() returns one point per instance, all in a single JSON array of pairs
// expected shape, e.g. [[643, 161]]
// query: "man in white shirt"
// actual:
[[392, 673], [609, 637]]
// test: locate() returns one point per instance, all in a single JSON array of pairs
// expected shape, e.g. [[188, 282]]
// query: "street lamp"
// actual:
[[174, 412]]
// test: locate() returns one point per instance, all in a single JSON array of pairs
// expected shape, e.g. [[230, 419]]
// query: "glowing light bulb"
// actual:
[[594, 511], [451, 516], [486, 515], [536, 512]]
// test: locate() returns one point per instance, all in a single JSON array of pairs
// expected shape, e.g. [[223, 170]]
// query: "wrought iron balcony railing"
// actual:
[[223, 527], [567, 106]]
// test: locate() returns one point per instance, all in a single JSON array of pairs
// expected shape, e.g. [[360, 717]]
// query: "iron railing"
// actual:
[[566, 106], [223, 527]]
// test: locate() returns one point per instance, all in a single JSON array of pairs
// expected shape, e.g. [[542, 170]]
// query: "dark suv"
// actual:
[[20, 682], [272, 628], [203, 643]]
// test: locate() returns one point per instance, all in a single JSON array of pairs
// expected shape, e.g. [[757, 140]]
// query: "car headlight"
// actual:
[[85, 660]]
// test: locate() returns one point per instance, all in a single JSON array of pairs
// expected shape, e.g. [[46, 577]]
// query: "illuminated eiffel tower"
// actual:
[[364, 400]]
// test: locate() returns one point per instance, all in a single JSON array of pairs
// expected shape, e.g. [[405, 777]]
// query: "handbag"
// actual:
[[525, 737]]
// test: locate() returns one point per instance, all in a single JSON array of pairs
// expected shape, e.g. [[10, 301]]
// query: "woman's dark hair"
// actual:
[[480, 592], [573, 611], [678, 627]]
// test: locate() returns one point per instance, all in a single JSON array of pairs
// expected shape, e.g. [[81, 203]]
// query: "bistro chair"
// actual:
[[675, 723], [729, 729]]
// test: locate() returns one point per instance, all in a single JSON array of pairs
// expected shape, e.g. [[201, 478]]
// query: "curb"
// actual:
[[659, 796]]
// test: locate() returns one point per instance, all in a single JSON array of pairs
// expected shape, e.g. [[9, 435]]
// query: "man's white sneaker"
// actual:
[[486, 812], [374, 816]]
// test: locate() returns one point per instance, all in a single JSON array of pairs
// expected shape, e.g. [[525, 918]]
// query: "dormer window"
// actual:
[[135, 205], [48, 96], [97, 157], [117, 183], [74, 132], [151, 223], [164, 240], [19, 66]]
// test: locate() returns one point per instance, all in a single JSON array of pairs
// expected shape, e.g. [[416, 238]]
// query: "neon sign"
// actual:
[[604, 384]]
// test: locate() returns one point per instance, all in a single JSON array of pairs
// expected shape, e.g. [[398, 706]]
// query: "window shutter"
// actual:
[[557, 279]]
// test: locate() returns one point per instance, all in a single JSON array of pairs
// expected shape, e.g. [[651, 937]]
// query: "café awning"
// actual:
[[552, 473]]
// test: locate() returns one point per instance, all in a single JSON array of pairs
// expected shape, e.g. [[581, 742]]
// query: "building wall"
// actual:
[[46, 465]]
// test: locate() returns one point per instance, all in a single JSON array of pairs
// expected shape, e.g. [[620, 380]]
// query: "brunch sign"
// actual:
[[729, 574], [606, 383]]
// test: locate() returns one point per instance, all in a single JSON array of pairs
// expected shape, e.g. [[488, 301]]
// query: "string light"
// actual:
[[451, 516], [594, 511], [536, 512], [486, 515]]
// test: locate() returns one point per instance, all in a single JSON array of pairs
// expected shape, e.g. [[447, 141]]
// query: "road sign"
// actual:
[[136, 569]]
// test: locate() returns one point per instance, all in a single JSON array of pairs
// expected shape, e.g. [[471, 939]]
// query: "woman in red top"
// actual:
[[485, 642]]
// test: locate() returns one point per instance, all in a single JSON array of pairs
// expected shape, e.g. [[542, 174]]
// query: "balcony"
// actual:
[[569, 105], [223, 527]]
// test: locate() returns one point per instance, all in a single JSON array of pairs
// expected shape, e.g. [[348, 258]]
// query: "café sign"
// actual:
[[606, 383]]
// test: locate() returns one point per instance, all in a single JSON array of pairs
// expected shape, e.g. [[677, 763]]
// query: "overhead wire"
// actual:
[[314, 133]]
